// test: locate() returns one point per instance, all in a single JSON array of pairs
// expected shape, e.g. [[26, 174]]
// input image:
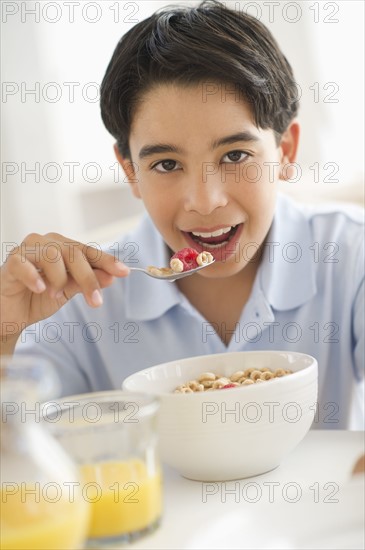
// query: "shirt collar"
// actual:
[[147, 298], [287, 273]]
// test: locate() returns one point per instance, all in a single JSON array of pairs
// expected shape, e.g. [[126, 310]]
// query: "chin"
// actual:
[[222, 270]]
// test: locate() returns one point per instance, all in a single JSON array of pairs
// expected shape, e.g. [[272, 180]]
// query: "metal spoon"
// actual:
[[166, 274], [169, 274]]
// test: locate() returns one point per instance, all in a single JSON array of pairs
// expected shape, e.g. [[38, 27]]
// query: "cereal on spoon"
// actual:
[[183, 260], [189, 258]]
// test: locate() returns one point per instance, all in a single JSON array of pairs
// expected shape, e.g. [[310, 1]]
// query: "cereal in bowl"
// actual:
[[209, 381]]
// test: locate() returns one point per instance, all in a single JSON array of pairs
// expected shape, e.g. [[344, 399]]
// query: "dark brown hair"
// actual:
[[193, 45]]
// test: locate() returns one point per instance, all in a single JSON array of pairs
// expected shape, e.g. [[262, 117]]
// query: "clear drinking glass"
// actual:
[[112, 436], [41, 500]]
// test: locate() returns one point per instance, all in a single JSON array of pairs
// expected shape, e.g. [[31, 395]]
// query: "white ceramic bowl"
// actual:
[[232, 433]]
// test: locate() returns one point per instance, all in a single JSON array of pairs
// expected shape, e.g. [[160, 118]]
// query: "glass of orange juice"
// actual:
[[41, 500], [112, 436]]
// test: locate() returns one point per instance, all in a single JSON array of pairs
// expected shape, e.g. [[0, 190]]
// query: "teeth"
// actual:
[[210, 246], [217, 233]]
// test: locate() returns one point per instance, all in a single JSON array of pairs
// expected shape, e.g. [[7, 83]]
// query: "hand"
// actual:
[[43, 273], [359, 467]]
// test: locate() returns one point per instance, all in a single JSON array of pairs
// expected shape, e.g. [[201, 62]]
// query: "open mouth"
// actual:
[[216, 239]]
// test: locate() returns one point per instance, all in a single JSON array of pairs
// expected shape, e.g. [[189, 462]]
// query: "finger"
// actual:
[[95, 256], [104, 278], [107, 262], [72, 288], [46, 255], [18, 269], [53, 268], [359, 467], [85, 278], [69, 265]]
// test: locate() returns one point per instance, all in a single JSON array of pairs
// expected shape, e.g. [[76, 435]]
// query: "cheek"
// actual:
[[267, 186], [259, 178], [135, 190], [258, 197], [259, 201], [157, 200]]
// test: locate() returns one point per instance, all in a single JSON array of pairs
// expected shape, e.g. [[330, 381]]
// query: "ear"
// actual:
[[130, 169], [288, 150]]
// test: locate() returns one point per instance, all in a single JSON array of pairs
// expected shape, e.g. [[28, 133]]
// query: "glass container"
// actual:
[[42, 506], [112, 436]]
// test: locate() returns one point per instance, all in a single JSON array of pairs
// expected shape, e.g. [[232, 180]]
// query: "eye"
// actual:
[[167, 165], [235, 156]]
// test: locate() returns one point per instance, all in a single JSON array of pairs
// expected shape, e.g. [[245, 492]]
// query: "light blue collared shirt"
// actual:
[[308, 296]]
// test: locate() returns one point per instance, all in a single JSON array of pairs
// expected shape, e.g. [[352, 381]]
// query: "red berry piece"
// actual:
[[228, 386], [188, 258]]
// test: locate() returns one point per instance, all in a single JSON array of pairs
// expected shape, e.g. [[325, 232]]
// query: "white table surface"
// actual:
[[319, 469]]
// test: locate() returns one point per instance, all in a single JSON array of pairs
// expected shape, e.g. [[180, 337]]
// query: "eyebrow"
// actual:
[[240, 136], [149, 150]]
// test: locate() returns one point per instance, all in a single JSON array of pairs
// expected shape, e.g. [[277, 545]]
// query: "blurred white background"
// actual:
[[54, 55]]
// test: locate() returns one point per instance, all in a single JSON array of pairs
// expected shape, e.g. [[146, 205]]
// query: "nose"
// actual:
[[205, 192]]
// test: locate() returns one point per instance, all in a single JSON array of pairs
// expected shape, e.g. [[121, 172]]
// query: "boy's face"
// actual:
[[206, 174]]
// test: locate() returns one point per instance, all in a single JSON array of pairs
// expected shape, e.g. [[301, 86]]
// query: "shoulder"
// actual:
[[339, 229], [331, 236], [326, 214], [336, 222], [335, 219]]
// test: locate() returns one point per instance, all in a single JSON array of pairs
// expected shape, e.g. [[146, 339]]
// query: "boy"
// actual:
[[202, 105]]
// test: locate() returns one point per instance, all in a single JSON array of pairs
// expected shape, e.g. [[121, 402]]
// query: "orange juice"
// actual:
[[127, 497], [42, 525]]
